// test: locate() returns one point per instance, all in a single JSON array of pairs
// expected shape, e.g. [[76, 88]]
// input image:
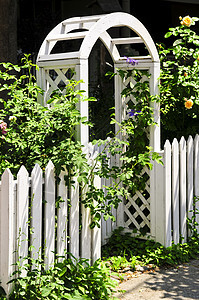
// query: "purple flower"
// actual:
[[131, 61], [133, 112]]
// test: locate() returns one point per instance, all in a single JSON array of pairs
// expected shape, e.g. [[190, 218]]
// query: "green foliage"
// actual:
[[37, 134], [69, 279], [147, 251], [179, 82]]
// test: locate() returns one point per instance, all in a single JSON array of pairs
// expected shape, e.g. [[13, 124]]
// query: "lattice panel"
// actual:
[[137, 208], [57, 79]]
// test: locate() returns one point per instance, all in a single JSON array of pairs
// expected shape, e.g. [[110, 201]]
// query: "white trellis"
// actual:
[[55, 69]]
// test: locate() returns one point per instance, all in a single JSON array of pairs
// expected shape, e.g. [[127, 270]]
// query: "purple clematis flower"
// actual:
[[133, 112], [131, 61]]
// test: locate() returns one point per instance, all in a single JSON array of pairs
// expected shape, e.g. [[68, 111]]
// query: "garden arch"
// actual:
[[89, 29], [54, 68]]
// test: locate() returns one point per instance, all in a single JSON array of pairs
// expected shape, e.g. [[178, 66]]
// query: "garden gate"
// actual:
[[55, 69]]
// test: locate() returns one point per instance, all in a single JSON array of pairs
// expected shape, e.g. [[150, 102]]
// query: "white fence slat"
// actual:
[[175, 191], [22, 214], [167, 180], [96, 232], [86, 233], [183, 189], [160, 205], [7, 229], [62, 216], [196, 175], [49, 219], [74, 219], [36, 211], [189, 177]]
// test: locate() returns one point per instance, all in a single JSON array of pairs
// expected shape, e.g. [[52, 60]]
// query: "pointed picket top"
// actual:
[[6, 174], [167, 145], [175, 143], [190, 141], [36, 171], [49, 168], [182, 142]]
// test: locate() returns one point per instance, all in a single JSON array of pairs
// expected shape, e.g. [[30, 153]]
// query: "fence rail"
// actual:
[[176, 185], [29, 217]]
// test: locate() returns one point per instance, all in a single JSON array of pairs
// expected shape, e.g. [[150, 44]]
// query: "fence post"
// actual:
[[196, 175], [163, 197], [183, 189], [49, 221], [190, 178], [62, 216], [36, 212], [175, 191], [7, 229], [74, 218], [22, 215]]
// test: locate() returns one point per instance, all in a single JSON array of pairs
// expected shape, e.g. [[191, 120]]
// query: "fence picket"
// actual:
[[168, 208], [190, 177], [196, 175], [22, 215], [49, 219], [36, 212], [7, 229], [96, 232], [62, 216], [175, 190], [74, 219], [183, 189]]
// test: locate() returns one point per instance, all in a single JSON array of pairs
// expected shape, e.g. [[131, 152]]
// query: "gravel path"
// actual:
[[172, 283]]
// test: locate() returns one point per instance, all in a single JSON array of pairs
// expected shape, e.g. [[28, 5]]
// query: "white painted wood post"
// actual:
[[190, 178], [82, 74], [96, 232], [74, 219], [22, 216], [36, 212], [86, 232], [167, 192], [175, 191], [183, 189], [163, 197], [62, 218], [49, 216], [196, 176], [7, 229]]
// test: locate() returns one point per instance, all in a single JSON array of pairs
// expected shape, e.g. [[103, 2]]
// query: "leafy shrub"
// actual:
[[179, 81], [69, 279], [148, 251]]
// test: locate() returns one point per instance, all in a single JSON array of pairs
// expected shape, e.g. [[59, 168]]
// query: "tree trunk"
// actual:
[[8, 31]]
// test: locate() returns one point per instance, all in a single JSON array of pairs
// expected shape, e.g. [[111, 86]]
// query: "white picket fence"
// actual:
[[176, 184], [34, 198]]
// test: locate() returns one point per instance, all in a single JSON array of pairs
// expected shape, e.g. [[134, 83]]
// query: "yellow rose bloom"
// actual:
[[188, 104], [187, 21]]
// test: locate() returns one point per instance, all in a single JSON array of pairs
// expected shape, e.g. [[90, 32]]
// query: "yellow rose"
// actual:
[[188, 104], [187, 21]]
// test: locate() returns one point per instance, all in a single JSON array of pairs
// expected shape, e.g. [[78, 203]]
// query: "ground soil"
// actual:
[[177, 283]]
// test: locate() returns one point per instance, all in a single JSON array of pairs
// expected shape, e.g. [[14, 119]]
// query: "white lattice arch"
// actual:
[[138, 211], [90, 29]]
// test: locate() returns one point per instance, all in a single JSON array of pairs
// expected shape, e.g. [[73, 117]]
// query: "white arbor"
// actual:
[[89, 30], [54, 70]]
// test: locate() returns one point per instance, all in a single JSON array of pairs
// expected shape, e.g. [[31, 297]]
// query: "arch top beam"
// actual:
[[94, 28]]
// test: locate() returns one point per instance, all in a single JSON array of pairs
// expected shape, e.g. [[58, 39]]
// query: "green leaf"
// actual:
[[168, 34]]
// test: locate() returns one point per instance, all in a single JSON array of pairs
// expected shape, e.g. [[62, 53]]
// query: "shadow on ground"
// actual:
[[173, 283]]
